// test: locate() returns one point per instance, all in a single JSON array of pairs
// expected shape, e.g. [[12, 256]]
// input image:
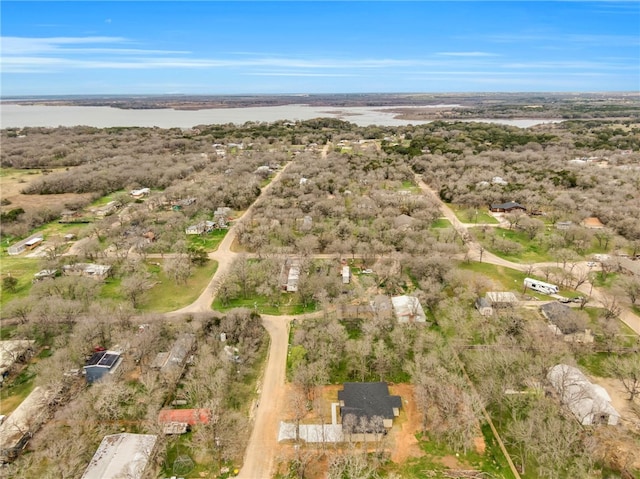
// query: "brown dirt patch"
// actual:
[[479, 444], [12, 185], [405, 427], [451, 462]]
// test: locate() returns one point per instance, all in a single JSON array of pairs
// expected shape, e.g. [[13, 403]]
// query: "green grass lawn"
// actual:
[[21, 268], [210, 241], [54, 228], [510, 279], [166, 295], [11, 396], [532, 250], [288, 304], [441, 223], [593, 363], [473, 215], [408, 185], [492, 461]]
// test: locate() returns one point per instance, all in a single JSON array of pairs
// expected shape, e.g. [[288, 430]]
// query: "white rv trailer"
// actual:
[[540, 286]]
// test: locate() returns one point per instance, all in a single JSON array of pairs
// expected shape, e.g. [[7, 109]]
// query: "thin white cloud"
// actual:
[[30, 45], [467, 54], [300, 74]]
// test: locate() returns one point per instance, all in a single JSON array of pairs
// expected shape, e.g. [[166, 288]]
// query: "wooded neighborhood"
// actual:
[[306, 299]]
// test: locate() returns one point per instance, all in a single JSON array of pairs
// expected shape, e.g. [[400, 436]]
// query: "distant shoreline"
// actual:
[[48, 116]]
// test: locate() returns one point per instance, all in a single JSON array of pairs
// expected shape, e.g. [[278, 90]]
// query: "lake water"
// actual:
[[18, 116]]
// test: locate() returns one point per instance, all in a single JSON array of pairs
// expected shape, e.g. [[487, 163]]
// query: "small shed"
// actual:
[[408, 309], [484, 307], [501, 299]]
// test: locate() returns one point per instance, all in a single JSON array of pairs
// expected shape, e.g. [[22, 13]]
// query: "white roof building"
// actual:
[[590, 403], [16, 430], [121, 455], [12, 350], [408, 309]]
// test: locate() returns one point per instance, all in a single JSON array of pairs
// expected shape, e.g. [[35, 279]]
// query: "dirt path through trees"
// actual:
[[263, 445]]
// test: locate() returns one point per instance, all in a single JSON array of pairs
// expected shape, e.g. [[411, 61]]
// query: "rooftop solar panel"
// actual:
[[95, 358], [108, 360]]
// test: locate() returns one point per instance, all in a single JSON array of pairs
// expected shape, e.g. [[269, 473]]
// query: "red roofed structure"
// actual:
[[185, 416]]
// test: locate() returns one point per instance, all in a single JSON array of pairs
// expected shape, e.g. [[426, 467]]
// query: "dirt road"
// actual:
[[476, 252], [225, 257], [263, 445]]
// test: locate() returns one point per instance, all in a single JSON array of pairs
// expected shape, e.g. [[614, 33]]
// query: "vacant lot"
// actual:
[[12, 182]]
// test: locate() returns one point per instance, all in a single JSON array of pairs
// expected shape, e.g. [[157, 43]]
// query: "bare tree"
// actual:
[[626, 368]]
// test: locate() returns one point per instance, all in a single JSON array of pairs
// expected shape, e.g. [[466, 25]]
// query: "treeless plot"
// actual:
[[403, 434], [12, 183]]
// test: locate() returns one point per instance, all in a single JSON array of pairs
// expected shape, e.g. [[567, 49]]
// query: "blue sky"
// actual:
[[210, 47]]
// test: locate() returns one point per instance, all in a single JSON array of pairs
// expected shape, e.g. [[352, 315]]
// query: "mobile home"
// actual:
[[540, 286]]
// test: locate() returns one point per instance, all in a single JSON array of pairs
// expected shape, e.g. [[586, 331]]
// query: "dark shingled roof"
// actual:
[[368, 400], [507, 206], [563, 317]]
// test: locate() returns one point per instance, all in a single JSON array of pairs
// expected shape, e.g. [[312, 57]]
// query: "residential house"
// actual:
[[565, 322], [122, 455], [290, 274], [592, 223], [508, 207], [106, 210], [174, 361], [221, 216], [88, 270], [139, 193], [13, 351], [27, 243], [179, 204], [590, 403], [501, 299], [564, 225], [178, 421], [408, 309], [346, 274], [629, 266], [100, 364], [368, 408], [44, 274], [201, 228], [22, 423]]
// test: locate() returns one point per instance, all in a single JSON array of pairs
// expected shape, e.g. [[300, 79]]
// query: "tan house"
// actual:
[[592, 223]]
